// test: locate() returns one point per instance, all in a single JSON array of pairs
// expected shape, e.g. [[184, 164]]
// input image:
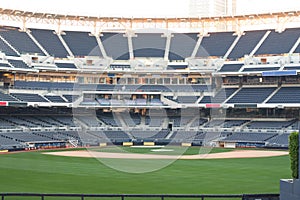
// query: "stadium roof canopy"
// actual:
[[23, 19]]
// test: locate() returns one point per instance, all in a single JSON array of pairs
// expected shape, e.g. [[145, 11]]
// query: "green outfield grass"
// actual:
[[37, 172]]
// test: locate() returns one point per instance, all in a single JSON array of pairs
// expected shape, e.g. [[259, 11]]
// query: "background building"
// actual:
[[204, 8]]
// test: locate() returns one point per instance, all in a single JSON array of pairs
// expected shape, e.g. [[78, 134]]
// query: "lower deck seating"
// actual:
[[184, 136], [66, 120], [108, 119], [154, 121], [26, 137], [269, 124], [250, 137], [90, 121], [8, 142], [113, 135], [150, 134], [131, 119], [25, 124], [6, 124], [279, 140]]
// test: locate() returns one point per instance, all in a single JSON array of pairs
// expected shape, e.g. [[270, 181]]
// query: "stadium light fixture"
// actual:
[[17, 12]]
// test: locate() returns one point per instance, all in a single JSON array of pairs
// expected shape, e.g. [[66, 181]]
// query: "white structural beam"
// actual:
[[37, 43], [232, 46], [8, 44], [168, 44], [129, 35], [65, 45], [100, 44], [200, 37], [130, 47], [295, 46]]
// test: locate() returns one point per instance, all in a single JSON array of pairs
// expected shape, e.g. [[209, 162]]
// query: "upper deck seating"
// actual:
[[20, 41], [279, 43], [50, 42]]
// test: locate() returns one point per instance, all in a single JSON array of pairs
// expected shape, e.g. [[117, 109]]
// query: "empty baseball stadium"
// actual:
[[118, 105], [120, 85]]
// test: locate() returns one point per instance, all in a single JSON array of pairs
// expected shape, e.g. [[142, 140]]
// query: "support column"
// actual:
[[197, 46], [232, 46], [100, 44], [168, 44], [129, 34], [65, 44]]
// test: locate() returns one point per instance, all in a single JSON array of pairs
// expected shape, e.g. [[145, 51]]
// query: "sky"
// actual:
[[139, 8]]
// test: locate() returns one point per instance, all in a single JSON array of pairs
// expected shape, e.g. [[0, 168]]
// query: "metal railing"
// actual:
[[43, 196]]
